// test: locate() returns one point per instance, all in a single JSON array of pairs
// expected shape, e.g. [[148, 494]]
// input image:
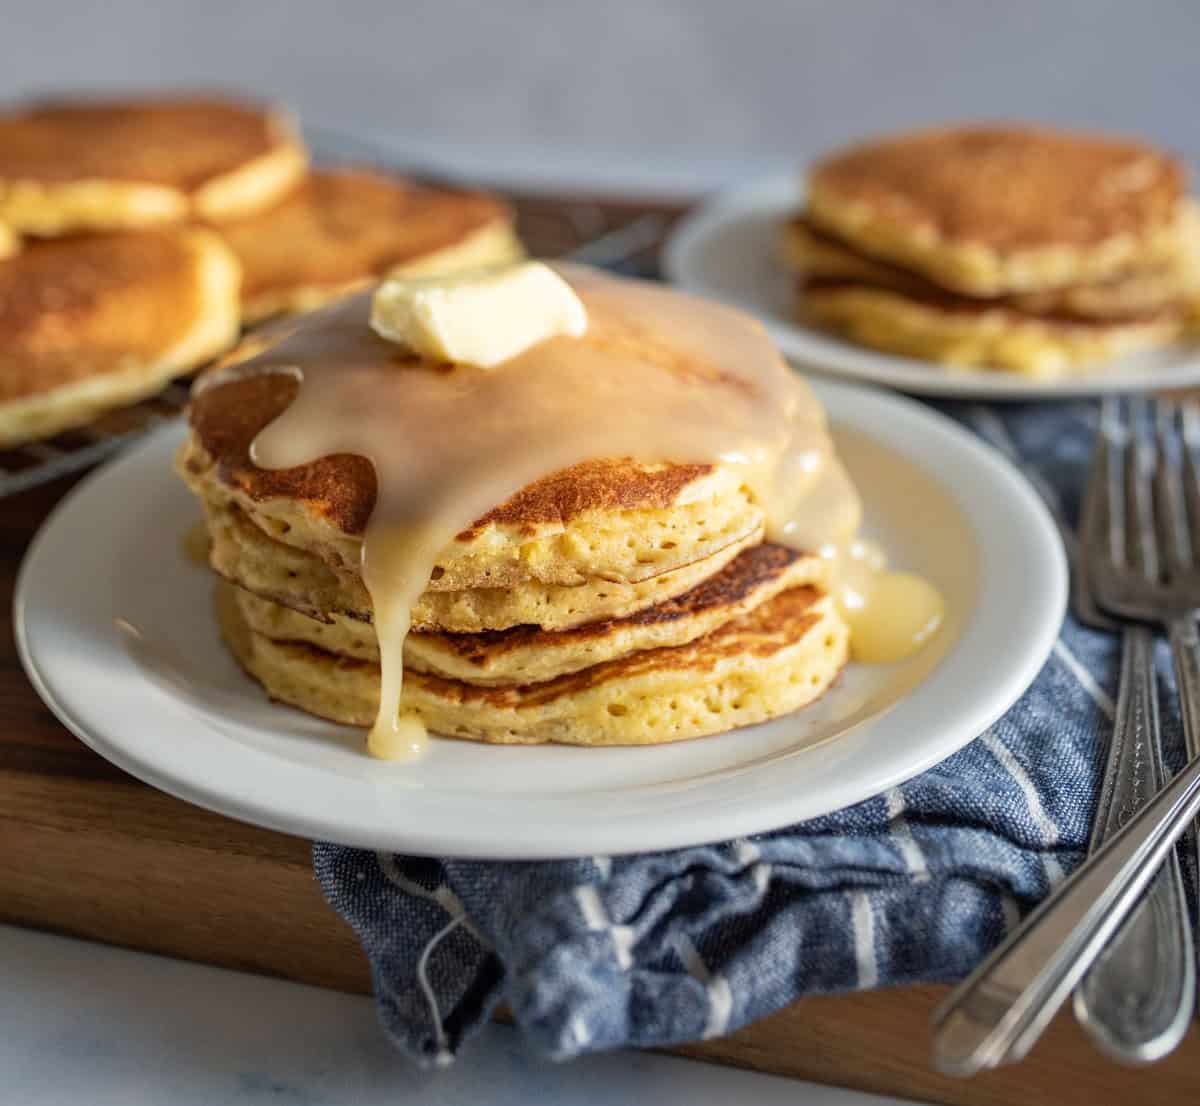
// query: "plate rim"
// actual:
[[618, 837], [833, 358]]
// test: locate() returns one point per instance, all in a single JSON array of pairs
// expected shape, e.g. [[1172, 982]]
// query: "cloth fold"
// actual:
[[914, 885]]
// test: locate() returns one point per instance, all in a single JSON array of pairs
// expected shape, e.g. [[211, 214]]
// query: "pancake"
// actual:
[[606, 520], [978, 334], [112, 164], [820, 258], [342, 228], [246, 556], [527, 654], [87, 324], [993, 210], [768, 662]]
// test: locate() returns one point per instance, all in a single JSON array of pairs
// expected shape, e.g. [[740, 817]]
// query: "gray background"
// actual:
[[671, 91]]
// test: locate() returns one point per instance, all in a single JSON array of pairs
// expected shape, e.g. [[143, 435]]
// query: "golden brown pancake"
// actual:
[[243, 553], [344, 227], [976, 334], [227, 417], [992, 209], [92, 323], [822, 261], [616, 521], [110, 164], [528, 654], [772, 660]]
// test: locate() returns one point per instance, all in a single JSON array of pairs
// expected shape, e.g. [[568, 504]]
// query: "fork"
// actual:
[[997, 1013], [1137, 1001], [1164, 509], [1158, 522]]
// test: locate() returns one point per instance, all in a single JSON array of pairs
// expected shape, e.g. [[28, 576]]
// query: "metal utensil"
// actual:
[[996, 1014], [1137, 1000], [1159, 518]]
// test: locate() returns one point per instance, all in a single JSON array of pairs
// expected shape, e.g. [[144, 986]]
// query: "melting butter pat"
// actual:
[[483, 318]]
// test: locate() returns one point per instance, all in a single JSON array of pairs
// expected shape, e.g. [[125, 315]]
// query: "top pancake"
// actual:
[[135, 163], [989, 210], [343, 227], [616, 520]]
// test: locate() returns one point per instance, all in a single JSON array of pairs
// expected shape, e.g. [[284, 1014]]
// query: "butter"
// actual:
[[482, 318]]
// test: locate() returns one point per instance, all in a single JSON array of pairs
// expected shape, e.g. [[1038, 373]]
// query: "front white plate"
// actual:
[[166, 703], [727, 250]]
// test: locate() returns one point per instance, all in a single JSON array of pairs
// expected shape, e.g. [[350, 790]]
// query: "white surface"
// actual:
[[727, 250], [177, 712], [88, 1024]]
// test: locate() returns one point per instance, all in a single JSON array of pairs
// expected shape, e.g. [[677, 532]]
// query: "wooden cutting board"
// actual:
[[89, 851]]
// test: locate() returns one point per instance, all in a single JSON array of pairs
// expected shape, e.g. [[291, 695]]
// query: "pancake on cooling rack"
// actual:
[[999, 246], [103, 165], [526, 505], [341, 228], [90, 323]]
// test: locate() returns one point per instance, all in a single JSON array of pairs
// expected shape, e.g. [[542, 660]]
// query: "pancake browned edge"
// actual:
[[773, 660], [87, 324], [668, 515], [243, 553], [990, 210], [823, 261], [113, 164], [985, 337], [529, 654], [342, 228]]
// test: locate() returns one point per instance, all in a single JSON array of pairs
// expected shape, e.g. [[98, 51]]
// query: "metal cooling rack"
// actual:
[[613, 234]]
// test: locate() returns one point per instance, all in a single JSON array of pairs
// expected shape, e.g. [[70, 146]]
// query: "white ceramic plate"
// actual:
[[172, 708], [727, 250]]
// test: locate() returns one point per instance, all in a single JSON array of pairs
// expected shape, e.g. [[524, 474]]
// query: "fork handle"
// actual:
[[996, 1014], [1136, 1002]]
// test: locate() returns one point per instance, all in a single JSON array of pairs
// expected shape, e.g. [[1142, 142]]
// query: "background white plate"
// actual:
[[727, 250], [177, 712]]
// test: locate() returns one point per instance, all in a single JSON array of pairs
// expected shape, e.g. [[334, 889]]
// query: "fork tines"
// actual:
[[1143, 505]]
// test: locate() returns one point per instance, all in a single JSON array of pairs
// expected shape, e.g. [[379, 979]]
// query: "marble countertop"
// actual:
[[87, 1023]]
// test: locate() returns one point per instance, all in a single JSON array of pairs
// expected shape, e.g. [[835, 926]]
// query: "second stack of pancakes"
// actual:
[[1009, 247], [138, 235]]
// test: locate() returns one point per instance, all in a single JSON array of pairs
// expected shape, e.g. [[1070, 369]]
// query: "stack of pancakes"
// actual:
[[609, 603], [138, 235], [998, 246]]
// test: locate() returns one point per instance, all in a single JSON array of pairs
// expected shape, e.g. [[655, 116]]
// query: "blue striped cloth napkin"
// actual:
[[912, 886]]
